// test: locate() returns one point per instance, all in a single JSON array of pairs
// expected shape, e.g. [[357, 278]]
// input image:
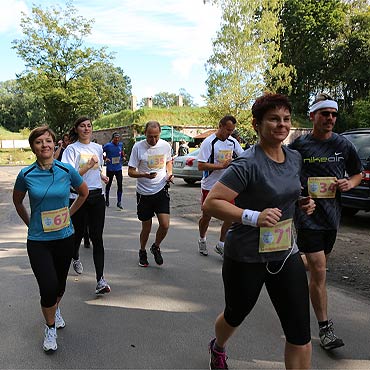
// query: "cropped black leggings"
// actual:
[[288, 291], [50, 261], [92, 214]]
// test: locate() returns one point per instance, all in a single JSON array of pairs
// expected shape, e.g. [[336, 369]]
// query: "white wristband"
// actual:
[[250, 217]]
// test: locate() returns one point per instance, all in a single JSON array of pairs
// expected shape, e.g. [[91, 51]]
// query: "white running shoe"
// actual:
[[50, 339], [77, 266], [202, 248], [102, 287], [59, 322]]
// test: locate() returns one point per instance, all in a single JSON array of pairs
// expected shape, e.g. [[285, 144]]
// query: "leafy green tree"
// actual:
[[350, 72], [19, 109], [164, 100], [311, 30], [246, 58], [69, 78]]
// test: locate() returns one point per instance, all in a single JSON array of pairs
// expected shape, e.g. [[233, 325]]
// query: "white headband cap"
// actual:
[[324, 104]]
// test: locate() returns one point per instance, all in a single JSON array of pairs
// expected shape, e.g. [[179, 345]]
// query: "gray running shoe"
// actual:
[[219, 249], [59, 322], [77, 266], [102, 286], [202, 248], [328, 340], [50, 339]]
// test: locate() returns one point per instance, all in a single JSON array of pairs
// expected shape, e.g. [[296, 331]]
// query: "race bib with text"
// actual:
[[276, 238], [55, 220], [322, 187]]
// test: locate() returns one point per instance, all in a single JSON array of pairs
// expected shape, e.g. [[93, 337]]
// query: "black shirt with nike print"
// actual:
[[334, 157]]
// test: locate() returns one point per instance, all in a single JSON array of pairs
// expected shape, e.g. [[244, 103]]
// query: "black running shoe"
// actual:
[[143, 259], [157, 254]]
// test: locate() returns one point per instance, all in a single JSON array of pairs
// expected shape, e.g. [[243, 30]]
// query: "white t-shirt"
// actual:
[[214, 150], [146, 158], [77, 154]]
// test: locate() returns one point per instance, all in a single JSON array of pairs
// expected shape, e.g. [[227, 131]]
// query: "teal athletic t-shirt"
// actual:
[[48, 190]]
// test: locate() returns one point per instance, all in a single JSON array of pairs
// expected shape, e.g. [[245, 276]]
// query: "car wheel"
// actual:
[[190, 181], [349, 211]]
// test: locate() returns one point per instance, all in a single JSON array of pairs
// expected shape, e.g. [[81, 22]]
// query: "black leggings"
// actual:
[[50, 261], [288, 291], [92, 214], [119, 179]]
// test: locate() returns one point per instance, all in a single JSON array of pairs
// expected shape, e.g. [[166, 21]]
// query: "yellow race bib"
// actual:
[[55, 220], [224, 155], [276, 238], [84, 158], [322, 187], [156, 162]]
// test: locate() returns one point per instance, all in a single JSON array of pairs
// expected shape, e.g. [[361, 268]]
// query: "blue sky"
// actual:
[[162, 45]]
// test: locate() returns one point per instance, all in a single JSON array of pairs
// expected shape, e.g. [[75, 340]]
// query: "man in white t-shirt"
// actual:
[[216, 153], [151, 164]]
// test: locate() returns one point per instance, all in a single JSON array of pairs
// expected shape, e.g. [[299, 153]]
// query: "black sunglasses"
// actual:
[[326, 113]]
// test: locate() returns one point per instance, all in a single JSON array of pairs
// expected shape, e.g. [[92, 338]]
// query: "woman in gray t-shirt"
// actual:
[[260, 247]]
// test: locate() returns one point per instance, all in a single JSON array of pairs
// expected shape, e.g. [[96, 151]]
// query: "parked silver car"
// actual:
[[186, 167]]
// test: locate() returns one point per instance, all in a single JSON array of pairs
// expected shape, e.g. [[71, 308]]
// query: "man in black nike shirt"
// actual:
[[330, 165]]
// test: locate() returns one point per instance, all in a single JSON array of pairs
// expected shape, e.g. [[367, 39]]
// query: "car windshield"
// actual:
[[361, 143]]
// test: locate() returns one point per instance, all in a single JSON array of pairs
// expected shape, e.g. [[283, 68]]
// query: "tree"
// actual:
[[69, 78], [19, 109], [311, 28], [246, 57]]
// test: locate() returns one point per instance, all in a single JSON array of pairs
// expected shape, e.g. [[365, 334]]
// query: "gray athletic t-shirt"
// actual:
[[261, 183]]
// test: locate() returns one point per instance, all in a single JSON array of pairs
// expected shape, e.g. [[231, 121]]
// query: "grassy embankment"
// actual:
[[9, 157]]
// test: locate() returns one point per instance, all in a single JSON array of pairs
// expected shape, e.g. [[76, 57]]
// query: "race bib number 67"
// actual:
[[55, 220]]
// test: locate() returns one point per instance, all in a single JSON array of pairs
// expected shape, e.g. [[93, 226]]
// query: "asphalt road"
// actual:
[[155, 317]]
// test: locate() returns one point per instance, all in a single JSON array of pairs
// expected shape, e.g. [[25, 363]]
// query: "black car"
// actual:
[[358, 198]]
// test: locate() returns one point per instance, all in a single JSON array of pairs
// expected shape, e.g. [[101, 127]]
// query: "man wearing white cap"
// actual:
[[330, 165]]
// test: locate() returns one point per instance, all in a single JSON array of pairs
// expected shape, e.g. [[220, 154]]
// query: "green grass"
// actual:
[[17, 157]]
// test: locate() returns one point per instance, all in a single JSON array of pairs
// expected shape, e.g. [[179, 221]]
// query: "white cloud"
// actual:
[[180, 30], [10, 15]]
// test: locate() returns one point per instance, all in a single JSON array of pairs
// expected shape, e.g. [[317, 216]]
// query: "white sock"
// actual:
[[220, 243], [202, 239]]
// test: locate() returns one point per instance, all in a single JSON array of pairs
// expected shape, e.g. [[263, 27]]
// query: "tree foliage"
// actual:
[[69, 78], [246, 57]]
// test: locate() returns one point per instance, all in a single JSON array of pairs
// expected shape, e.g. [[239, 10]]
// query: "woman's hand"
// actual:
[[269, 217], [92, 161]]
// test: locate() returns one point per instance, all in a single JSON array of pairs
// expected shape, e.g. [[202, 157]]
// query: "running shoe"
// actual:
[[219, 249], [156, 251], [143, 258], [102, 286], [59, 322], [119, 205], [217, 359], [328, 340], [202, 248], [50, 339], [77, 266]]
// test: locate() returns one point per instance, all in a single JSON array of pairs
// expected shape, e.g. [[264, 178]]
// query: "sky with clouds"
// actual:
[[162, 45]]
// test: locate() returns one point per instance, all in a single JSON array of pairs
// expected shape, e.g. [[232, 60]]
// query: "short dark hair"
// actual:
[[322, 97], [269, 101], [152, 124], [225, 119], [38, 131]]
